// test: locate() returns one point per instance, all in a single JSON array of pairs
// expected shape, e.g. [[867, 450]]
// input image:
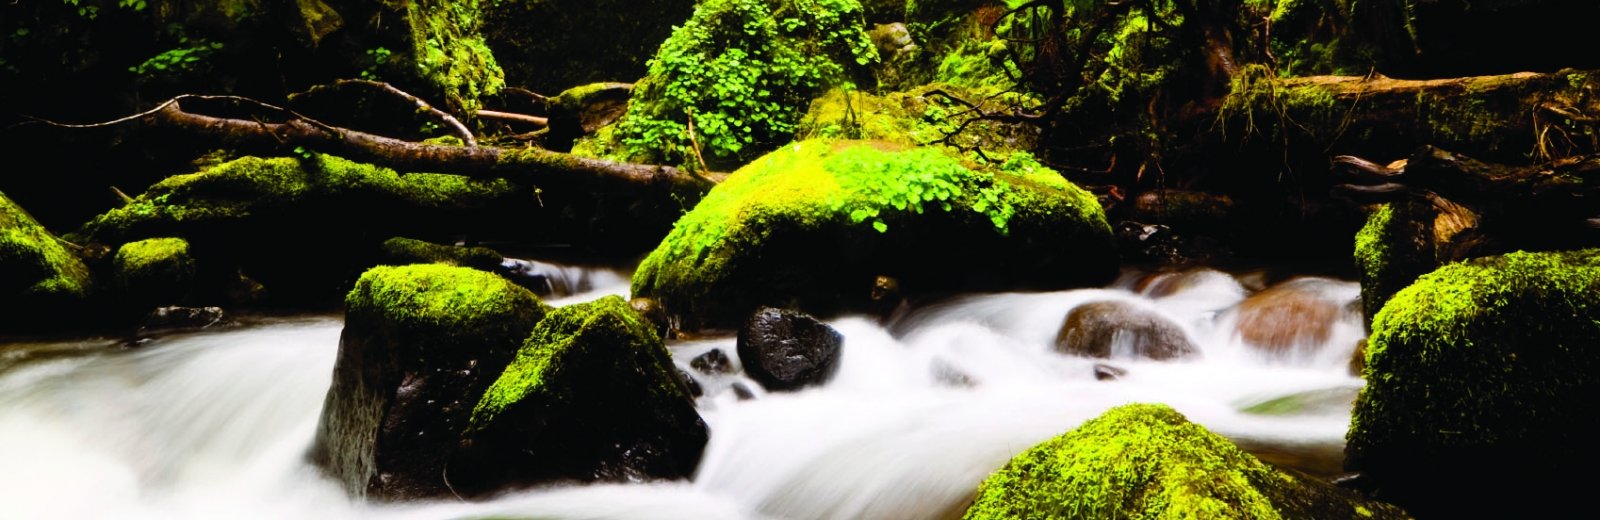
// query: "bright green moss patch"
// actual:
[[157, 270], [742, 71], [577, 335], [400, 250], [1145, 461], [445, 300], [808, 218], [34, 264], [245, 187], [1488, 363]]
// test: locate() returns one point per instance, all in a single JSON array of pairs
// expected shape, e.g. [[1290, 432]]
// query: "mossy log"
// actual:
[[544, 168], [1503, 117]]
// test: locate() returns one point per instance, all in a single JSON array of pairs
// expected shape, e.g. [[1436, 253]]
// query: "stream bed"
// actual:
[[923, 407]]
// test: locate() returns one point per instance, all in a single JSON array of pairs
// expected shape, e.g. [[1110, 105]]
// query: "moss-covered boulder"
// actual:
[[1482, 381], [742, 72], [592, 395], [401, 251], [41, 281], [154, 272], [421, 343], [812, 225], [1394, 248], [1146, 461], [306, 227]]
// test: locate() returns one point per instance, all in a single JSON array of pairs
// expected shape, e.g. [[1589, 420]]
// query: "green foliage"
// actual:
[[449, 53], [180, 60], [740, 71], [379, 58]]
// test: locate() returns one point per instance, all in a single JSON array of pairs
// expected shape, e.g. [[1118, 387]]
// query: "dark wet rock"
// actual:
[[1183, 209], [1096, 329], [241, 289], [712, 362], [886, 295], [742, 392], [691, 384], [154, 272], [591, 396], [1104, 372], [1149, 461], [166, 318], [1482, 380], [1293, 314], [788, 350], [421, 343]]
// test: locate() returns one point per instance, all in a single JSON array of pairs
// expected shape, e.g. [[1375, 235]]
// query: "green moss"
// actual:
[[449, 53], [742, 70], [848, 193], [410, 251], [238, 189], [152, 260], [1482, 364], [457, 302], [603, 331], [34, 264], [1145, 461], [1262, 103]]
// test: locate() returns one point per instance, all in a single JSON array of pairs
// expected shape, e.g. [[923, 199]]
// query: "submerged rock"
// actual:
[[1295, 314], [813, 224], [42, 283], [1148, 461], [591, 395], [788, 350], [420, 345], [1098, 329], [1482, 379], [712, 362]]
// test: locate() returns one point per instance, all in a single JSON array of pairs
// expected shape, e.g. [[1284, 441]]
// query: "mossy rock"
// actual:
[[154, 272], [401, 251], [812, 226], [306, 227], [1394, 248], [1145, 461], [592, 395], [41, 281], [420, 345], [1482, 381]]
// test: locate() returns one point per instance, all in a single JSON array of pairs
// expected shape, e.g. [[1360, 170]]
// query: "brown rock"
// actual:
[[1093, 328]]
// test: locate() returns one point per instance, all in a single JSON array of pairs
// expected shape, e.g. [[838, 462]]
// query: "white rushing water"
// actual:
[[214, 424]]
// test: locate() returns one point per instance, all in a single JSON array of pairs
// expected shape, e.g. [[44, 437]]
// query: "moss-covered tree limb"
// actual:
[[532, 165], [1503, 117]]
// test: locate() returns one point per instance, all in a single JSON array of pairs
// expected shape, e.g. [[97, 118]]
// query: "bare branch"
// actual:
[[455, 126]]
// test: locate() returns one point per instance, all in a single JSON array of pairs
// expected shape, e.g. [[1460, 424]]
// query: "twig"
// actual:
[[694, 144], [170, 102], [535, 96], [509, 116], [460, 130]]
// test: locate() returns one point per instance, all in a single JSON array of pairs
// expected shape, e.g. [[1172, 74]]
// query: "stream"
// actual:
[[923, 407]]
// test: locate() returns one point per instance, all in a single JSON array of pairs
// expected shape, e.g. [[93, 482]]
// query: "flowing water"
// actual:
[[217, 423]]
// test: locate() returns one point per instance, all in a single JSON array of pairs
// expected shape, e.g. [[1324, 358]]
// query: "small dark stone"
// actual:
[[690, 383], [742, 392], [181, 318], [1104, 372], [788, 350], [886, 295], [1092, 328], [712, 362]]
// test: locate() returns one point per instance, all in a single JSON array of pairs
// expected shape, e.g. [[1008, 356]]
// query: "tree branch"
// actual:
[[455, 126]]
